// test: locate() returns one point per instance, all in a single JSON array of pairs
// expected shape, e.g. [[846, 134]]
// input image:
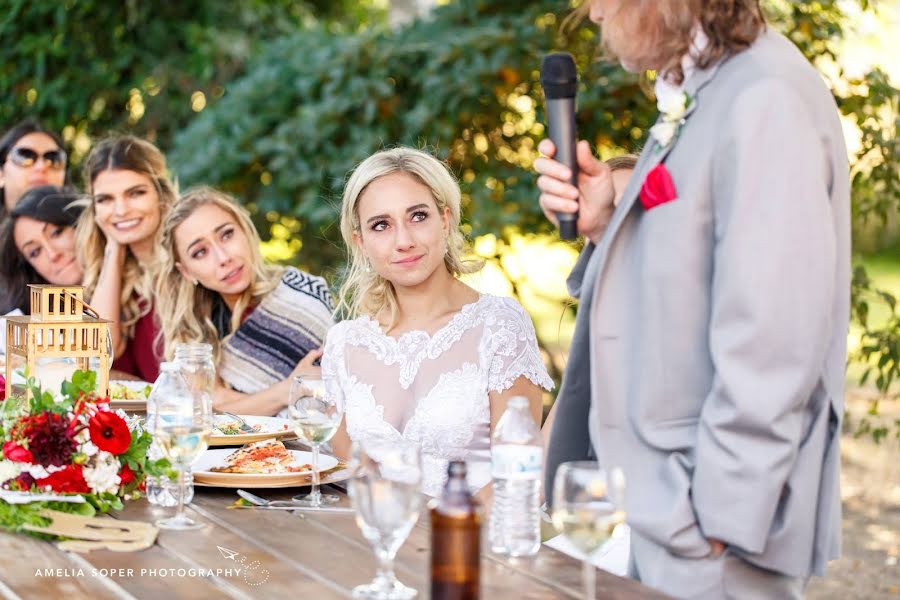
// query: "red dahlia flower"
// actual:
[[49, 439], [69, 480], [110, 432]]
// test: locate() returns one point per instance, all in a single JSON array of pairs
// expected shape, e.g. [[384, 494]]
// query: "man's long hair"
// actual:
[[661, 31]]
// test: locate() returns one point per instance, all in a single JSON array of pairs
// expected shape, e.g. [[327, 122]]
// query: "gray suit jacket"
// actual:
[[713, 328]]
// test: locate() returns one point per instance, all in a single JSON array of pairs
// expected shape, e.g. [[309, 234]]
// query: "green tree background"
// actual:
[[276, 101]]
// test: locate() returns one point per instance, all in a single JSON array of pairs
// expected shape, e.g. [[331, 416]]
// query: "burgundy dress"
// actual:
[[142, 353]]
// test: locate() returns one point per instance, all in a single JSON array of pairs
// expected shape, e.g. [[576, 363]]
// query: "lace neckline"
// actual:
[[419, 336]]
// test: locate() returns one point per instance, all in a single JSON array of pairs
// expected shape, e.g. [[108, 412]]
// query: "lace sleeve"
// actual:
[[333, 359], [513, 348]]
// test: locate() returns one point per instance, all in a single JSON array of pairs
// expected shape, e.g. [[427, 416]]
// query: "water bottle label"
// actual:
[[512, 461]]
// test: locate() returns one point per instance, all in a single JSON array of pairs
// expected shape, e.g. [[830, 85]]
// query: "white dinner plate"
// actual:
[[268, 427], [216, 458], [139, 388]]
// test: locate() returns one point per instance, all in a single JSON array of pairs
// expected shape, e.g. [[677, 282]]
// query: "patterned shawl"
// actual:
[[289, 322]]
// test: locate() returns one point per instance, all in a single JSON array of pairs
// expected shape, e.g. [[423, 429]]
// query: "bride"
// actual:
[[425, 358]]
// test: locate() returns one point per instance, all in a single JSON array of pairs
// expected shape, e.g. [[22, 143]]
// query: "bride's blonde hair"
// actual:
[[121, 153], [366, 292], [185, 309]]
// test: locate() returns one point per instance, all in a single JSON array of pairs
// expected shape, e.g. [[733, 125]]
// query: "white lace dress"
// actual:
[[433, 390]]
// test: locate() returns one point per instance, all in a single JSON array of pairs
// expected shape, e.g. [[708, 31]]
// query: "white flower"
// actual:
[[103, 474], [672, 102], [9, 470], [89, 448], [36, 471], [664, 131]]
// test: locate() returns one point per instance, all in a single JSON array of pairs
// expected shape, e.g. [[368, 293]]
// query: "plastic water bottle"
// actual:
[[163, 491], [516, 457]]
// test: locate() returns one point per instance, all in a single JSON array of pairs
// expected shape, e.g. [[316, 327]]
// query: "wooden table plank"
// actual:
[[262, 573], [63, 574], [145, 578], [319, 555], [550, 574]]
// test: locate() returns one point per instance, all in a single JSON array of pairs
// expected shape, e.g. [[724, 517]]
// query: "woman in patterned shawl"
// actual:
[[265, 323]]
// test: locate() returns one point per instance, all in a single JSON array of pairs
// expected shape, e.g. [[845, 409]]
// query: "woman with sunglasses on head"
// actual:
[[37, 243], [30, 156], [131, 193], [265, 323]]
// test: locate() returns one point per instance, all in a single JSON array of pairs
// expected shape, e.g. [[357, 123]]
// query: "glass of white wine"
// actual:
[[386, 493], [315, 417], [587, 507], [181, 425]]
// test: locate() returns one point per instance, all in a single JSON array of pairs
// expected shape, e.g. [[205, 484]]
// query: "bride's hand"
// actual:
[[306, 368]]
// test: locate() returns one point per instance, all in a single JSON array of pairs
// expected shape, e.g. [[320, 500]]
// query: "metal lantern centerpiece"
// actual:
[[57, 328]]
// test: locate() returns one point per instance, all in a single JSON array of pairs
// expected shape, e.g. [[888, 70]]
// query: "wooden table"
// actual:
[[280, 554]]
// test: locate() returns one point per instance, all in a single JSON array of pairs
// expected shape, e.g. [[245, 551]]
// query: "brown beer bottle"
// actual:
[[455, 540]]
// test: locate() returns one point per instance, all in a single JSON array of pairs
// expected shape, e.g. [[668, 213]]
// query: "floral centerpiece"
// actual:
[[67, 444]]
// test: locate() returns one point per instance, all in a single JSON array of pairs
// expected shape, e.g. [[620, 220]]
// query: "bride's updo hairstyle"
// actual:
[[365, 292]]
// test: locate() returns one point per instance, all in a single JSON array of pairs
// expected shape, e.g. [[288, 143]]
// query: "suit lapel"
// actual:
[[651, 156]]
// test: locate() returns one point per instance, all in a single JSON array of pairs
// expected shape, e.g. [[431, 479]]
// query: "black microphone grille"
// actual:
[[559, 77]]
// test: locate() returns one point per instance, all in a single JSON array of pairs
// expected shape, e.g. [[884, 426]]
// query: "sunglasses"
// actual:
[[26, 157]]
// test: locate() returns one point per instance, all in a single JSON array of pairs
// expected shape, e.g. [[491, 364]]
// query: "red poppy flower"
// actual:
[[69, 480], [126, 475], [109, 432], [16, 453], [2, 388]]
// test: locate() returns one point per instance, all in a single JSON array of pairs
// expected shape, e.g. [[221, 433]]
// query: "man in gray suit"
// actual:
[[711, 337]]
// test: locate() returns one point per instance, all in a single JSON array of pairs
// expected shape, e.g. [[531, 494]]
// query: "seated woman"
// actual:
[[265, 323], [130, 195], [37, 243], [426, 359], [30, 156]]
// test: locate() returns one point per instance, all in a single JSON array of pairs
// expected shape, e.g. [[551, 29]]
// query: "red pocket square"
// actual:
[[658, 188]]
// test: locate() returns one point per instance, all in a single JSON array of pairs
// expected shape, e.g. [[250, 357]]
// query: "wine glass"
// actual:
[[315, 417], [182, 423], [587, 507], [386, 493]]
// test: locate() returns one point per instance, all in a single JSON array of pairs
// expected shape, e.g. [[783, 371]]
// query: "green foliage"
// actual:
[[463, 83], [879, 347], [14, 517], [98, 66]]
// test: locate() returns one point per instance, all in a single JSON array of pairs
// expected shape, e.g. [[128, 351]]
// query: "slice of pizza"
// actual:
[[265, 457]]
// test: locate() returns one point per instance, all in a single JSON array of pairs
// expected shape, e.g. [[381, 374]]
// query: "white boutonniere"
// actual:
[[673, 104]]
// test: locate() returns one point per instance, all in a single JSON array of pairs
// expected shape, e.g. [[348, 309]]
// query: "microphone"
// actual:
[[559, 80]]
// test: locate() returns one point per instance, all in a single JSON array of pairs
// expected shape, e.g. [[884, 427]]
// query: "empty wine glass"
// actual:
[[386, 493], [315, 417], [181, 425], [587, 507]]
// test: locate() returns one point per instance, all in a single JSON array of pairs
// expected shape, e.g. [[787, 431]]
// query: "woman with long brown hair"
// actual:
[[130, 194], [37, 243]]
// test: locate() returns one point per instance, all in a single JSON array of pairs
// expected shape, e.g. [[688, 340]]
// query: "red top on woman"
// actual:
[[142, 353]]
